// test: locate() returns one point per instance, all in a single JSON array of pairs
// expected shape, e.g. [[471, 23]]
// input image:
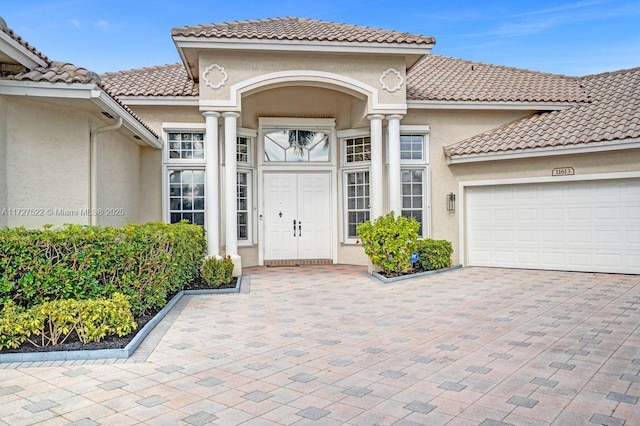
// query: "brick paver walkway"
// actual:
[[329, 345]]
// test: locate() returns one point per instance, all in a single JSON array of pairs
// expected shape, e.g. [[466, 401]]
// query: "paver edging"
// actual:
[[392, 280], [122, 353]]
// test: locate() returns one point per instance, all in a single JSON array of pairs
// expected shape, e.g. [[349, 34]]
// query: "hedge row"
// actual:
[[52, 323], [145, 262]]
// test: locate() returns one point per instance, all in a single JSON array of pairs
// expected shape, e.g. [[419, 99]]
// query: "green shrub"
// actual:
[[146, 262], [433, 254], [17, 325], [217, 272], [389, 241], [55, 321]]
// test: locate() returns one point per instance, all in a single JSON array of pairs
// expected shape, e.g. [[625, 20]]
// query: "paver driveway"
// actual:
[[330, 345]]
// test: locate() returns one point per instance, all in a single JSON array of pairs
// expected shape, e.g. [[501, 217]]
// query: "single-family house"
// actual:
[[281, 135]]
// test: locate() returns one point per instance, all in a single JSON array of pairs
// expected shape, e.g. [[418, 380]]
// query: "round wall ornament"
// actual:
[[215, 76], [391, 80]]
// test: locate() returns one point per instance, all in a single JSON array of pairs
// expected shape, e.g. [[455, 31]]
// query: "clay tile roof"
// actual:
[[164, 80], [58, 72], [441, 78], [613, 114], [16, 37], [301, 29]]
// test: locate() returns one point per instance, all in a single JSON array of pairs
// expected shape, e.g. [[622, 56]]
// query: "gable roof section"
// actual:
[[612, 115], [18, 49], [299, 29], [164, 80], [440, 78]]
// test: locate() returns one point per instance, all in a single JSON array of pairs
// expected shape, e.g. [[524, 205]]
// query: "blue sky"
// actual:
[[567, 37]]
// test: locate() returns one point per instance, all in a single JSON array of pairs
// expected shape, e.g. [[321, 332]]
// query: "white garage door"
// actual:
[[589, 226]]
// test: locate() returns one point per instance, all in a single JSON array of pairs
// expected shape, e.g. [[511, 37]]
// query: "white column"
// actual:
[[231, 183], [377, 161], [394, 177], [212, 195]]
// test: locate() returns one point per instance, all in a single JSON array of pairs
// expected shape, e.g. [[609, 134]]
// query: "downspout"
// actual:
[[93, 166]]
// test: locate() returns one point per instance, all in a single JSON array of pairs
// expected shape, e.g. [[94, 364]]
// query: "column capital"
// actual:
[[230, 114], [394, 117], [375, 117], [213, 114]]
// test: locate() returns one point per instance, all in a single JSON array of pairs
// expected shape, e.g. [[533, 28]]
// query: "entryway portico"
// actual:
[[350, 91]]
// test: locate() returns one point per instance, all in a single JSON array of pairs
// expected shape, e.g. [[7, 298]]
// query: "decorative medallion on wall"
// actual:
[[215, 76], [391, 80]]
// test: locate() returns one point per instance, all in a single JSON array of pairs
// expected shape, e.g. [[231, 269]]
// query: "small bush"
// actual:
[[17, 325], [433, 254], [217, 272], [389, 241], [146, 262], [55, 321]]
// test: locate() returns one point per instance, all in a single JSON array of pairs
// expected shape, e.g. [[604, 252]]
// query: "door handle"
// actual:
[[294, 227], [299, 229]]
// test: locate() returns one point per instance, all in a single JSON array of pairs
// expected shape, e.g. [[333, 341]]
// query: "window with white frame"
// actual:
[[413, 195], [244, 205], [186, 145], [357, 149], [243, 147], [414, 158], [411, 147], [357, 200], [186, 195]]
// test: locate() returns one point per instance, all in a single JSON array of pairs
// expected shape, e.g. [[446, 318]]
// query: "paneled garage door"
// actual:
[[589, 226]]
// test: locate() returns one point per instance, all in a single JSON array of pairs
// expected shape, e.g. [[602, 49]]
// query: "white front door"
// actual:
[[297, 216]]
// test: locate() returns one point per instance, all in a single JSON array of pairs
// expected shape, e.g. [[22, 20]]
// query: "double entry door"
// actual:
[[297, 216]]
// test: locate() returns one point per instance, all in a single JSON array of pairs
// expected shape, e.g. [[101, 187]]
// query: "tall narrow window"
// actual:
[[412, 195], [242, 155], [357, 201], [243, 206], [186, 196]]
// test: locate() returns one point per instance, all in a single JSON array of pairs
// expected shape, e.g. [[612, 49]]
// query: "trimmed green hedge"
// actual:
[[433, 254], [145, 262]]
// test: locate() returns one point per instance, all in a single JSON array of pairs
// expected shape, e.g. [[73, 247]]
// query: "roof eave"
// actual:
[[411, 52], [10, 47], [582, 148], [160, 100], [491, 105], [88, 91]]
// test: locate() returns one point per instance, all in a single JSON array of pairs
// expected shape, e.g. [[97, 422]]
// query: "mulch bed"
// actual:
[[111, 342]]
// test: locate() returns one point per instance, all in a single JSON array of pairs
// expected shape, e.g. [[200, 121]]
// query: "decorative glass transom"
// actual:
[[296, 145]]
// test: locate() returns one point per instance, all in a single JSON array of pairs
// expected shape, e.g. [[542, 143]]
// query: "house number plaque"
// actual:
[[563, 171]]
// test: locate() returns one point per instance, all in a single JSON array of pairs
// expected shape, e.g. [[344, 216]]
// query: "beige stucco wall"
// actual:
[[303, 102], [3, 161], [241, 66], [47, 163], [118, 183], [150, 185]]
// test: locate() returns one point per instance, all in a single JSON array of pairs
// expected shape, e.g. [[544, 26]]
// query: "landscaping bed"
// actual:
[[114, 341]]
